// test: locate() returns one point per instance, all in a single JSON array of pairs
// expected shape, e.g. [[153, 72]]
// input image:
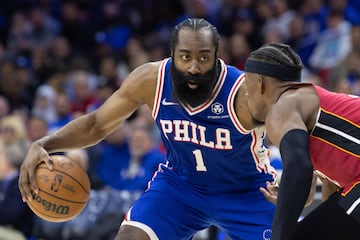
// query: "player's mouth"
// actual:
[[192, 84]]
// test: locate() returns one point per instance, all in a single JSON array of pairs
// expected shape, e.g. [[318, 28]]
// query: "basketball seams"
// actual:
[[71, 177], [67, 200]]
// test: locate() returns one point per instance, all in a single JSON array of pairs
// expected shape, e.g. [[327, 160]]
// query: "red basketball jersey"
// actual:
[[335, 138]]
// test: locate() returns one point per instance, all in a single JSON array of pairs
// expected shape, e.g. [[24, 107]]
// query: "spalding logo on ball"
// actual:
[[63, 192]]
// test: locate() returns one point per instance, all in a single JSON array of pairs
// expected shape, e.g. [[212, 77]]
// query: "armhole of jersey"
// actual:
[[230, 104], [159, 88], [317, 89], [316, 121]]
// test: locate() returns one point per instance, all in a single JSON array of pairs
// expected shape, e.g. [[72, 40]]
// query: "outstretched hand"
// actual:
[[270, 192], [27, 181]]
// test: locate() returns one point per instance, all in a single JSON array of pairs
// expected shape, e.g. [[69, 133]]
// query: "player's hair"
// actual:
[[275, 60], [194, 24], [277, 53]]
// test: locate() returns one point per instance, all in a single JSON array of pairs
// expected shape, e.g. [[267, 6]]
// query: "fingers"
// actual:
[[49, 163], [26, 181], [266, 193], [270, 192], [22, 187], [272, 188], [27, 178]]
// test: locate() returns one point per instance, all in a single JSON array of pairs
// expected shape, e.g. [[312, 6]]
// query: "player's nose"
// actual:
[[194, 68]]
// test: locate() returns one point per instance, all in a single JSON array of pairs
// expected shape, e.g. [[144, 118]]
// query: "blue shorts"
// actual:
[[174, 209]]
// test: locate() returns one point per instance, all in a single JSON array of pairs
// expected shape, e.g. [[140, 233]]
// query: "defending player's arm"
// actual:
[[327, 188], [87, 130], [290, 134]]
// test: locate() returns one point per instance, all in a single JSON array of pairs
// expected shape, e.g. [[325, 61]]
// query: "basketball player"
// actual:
[[215, 164], [315, 129]]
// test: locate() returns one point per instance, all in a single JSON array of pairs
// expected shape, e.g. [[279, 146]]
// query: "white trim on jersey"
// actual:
[[231, 104], [159, 88], [353, 206]]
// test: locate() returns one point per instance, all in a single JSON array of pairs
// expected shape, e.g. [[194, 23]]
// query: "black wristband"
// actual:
[[295, 183]]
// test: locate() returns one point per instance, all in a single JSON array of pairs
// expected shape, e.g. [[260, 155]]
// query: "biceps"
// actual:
[[278, 126]]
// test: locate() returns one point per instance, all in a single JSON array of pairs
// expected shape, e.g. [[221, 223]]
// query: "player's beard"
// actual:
[[199, 95]]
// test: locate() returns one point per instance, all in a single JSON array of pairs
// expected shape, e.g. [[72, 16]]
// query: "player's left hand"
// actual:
[[270, 192]]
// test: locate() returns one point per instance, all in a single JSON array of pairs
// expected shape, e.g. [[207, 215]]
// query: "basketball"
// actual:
[[63, 192]]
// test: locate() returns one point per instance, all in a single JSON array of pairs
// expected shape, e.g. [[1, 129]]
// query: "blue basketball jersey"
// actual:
[[207, 145]]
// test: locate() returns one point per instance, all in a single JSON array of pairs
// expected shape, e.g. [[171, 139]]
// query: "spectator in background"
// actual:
[[143, 162], [16, 218], [108, 69], [12, 129], [314, 14], [280, 20], [81, 91], [347, 7], [239, 50], [128, 163], [244, 23], [44, 103], [37, 128], [135, 53], [224, 49], [63, 112], [103, 91], [75, 27], [296, 32], [14, 84], [18, 36], [60, 52], [42, 27], [200, 9], [41, 68], [114, 157], [4, 107], [332, 48], [350, 67], [145, 120], [271, 35]]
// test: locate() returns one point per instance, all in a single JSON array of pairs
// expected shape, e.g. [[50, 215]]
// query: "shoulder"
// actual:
[[298, 95], [146, 71], [295, 109], [141, 82]]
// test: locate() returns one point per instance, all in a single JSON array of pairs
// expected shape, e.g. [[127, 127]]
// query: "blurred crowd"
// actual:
[[60, 59]]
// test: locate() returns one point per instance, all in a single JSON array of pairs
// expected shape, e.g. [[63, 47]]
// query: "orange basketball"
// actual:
[[63, 192]]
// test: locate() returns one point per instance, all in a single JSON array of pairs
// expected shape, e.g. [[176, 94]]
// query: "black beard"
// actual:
[[205, 82]]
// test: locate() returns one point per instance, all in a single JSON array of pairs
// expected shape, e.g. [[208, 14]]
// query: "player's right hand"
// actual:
[[271, 192], [27, 181]]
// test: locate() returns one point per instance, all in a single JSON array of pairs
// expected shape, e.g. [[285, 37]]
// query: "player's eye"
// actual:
[[185, 57], [204, 58]]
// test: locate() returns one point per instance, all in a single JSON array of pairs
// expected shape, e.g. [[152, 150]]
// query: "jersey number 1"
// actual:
[[200, 166]]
